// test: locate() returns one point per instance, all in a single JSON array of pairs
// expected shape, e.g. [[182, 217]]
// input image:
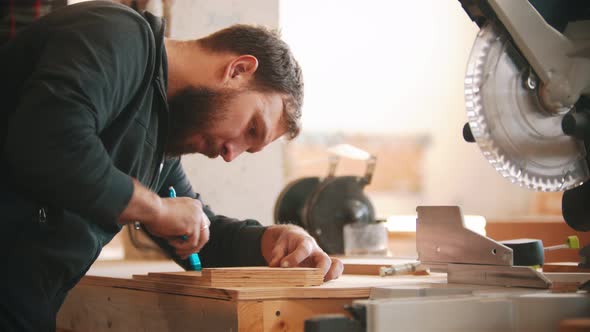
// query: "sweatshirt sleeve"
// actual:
[[232, 242], [89, 69]]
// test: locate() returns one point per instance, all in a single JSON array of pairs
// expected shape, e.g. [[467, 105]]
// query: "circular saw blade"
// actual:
[[523, 141]]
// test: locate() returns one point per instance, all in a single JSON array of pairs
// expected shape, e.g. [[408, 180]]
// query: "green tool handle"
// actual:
[[193, 259]]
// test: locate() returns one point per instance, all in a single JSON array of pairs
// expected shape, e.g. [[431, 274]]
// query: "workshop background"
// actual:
[[385, 76], [375, 77]]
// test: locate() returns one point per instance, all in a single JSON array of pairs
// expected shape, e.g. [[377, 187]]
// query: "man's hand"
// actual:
[[169, 218], [290, 246], [181, 216]]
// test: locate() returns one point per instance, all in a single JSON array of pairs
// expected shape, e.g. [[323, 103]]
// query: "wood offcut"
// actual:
[[241, 277]]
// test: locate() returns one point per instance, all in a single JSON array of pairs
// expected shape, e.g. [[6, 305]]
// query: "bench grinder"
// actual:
[[323, 206]]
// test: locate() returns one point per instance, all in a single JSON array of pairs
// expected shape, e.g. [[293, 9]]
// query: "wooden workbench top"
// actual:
[[119, 275], [109, 300]]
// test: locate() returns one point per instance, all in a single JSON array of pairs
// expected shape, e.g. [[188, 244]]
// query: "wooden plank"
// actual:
[[290, 315], [160, 287], [574, 325], [250, 316], [347, 286], [95, 308], [566, 282], [363, 269], [359, 265], [243, 277], [567, 277], [564, 267], [127, 268]]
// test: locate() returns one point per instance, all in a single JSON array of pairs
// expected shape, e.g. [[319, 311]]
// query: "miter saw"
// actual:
[[527, 94]]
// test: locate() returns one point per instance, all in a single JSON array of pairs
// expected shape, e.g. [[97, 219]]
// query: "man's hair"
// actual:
[[277, 71]]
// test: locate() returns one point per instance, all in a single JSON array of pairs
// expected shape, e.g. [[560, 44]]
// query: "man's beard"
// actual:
[[193, 110]]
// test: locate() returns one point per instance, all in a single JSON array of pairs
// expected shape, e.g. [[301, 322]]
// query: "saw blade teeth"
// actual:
[[516, 172], [557, 183], [502, 125]]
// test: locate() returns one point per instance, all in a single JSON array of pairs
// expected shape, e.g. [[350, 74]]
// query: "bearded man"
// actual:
[[99, 107]]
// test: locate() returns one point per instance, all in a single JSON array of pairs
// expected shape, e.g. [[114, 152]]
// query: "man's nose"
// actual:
[[231, 150]]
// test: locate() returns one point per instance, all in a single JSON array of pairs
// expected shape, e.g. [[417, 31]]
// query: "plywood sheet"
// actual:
[[347, 286], [242, 277]]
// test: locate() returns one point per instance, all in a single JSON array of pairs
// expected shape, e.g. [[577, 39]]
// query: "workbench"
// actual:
[[107, 299]]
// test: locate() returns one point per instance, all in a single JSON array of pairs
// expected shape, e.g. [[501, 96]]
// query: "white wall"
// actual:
[[398, 67], [196, 18], [248, 186]]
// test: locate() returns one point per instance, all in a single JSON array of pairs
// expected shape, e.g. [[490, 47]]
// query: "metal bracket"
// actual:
[[445, 245], [441, 239], [351, 152], [512, 276]]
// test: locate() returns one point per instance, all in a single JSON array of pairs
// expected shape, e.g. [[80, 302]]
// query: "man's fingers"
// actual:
[[191, 241], [335, 270], [291, 246], [303, 250], [195, 241], [203, 231], [188, 245], [183, 255], [278, 252], [203, 238], [322, 261]]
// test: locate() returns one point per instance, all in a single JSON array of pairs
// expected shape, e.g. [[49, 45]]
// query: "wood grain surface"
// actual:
[[242, 277]]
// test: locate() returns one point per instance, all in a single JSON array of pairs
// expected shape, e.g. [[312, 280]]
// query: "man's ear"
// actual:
[[239, 71]]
